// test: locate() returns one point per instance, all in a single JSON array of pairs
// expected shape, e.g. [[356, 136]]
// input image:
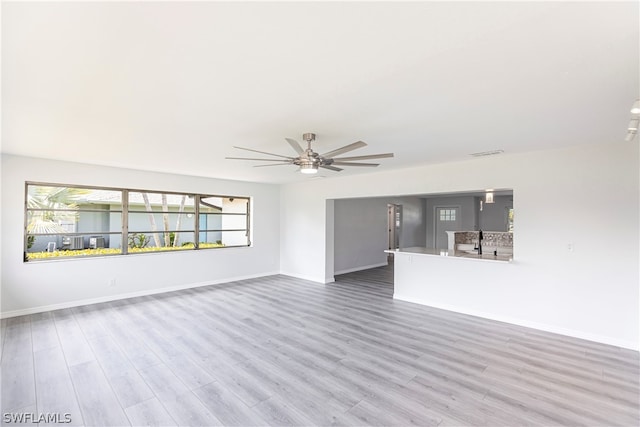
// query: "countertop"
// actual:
[[450, 253]]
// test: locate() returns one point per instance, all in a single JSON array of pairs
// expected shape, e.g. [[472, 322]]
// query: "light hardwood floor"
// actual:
[[282, 351]]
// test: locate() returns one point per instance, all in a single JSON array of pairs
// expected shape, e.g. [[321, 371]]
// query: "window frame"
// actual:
[[124, 212], [448, 214]]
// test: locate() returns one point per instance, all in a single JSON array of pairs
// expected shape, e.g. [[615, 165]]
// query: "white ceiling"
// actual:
[[173, 86]]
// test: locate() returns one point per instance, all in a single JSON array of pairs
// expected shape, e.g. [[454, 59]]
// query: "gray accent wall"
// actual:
[[361, 233], [494, 215], [468, 208]]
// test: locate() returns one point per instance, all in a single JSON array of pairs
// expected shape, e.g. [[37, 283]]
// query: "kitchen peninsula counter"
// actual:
[[452, 280], [454, 254]]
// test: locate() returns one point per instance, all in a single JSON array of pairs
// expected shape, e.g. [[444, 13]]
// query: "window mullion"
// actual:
[[125, 222], [248, 222], [196, 223]]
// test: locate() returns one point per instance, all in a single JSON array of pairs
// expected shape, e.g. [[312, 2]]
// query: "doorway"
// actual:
[[394, 225], [447, 219]]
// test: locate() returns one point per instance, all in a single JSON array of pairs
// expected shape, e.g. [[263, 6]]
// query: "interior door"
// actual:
[[394, 221], [447, 219]]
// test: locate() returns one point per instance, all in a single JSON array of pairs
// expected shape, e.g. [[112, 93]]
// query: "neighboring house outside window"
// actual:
[[76, 221]]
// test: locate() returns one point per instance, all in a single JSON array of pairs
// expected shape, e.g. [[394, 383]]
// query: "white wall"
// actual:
[[586, 197], [33, 286], [361, 233]]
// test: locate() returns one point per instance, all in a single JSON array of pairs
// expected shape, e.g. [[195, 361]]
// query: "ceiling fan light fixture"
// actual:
[[635, 108], [488, 197], [308, 168], [633, 125]]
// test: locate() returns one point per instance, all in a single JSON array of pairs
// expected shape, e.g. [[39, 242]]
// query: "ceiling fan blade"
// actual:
[[263, 152], [262, 160], [295, 145], [332, 168], [344, 149], [356, 164], [371, 156], [277, 164]]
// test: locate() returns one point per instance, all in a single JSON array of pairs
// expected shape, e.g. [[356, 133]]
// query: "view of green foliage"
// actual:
[[45, 200], [138, 240]]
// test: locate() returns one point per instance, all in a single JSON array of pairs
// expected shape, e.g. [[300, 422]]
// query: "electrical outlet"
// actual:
[[112, 283], [570, 247]]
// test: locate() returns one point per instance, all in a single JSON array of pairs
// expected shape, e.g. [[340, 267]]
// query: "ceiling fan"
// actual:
[[309, 161]]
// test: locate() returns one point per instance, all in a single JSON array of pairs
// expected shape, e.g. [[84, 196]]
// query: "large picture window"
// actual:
[[75, 221]]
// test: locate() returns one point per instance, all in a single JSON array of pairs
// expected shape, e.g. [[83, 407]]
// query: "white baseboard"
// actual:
[[318, 280], [365, 267], [520, 322], [78, 303]]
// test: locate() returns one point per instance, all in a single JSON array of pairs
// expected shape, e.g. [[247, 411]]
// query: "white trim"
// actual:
[[534, 325], [77, 303], [366, 267]]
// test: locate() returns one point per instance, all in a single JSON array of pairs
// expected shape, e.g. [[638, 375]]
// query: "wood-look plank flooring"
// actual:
[[285, 352]]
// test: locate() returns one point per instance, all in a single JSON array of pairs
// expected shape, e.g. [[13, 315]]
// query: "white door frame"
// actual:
[[392, 229]]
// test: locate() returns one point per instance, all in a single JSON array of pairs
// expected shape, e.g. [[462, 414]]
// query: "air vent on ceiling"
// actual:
[[487, 153]]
